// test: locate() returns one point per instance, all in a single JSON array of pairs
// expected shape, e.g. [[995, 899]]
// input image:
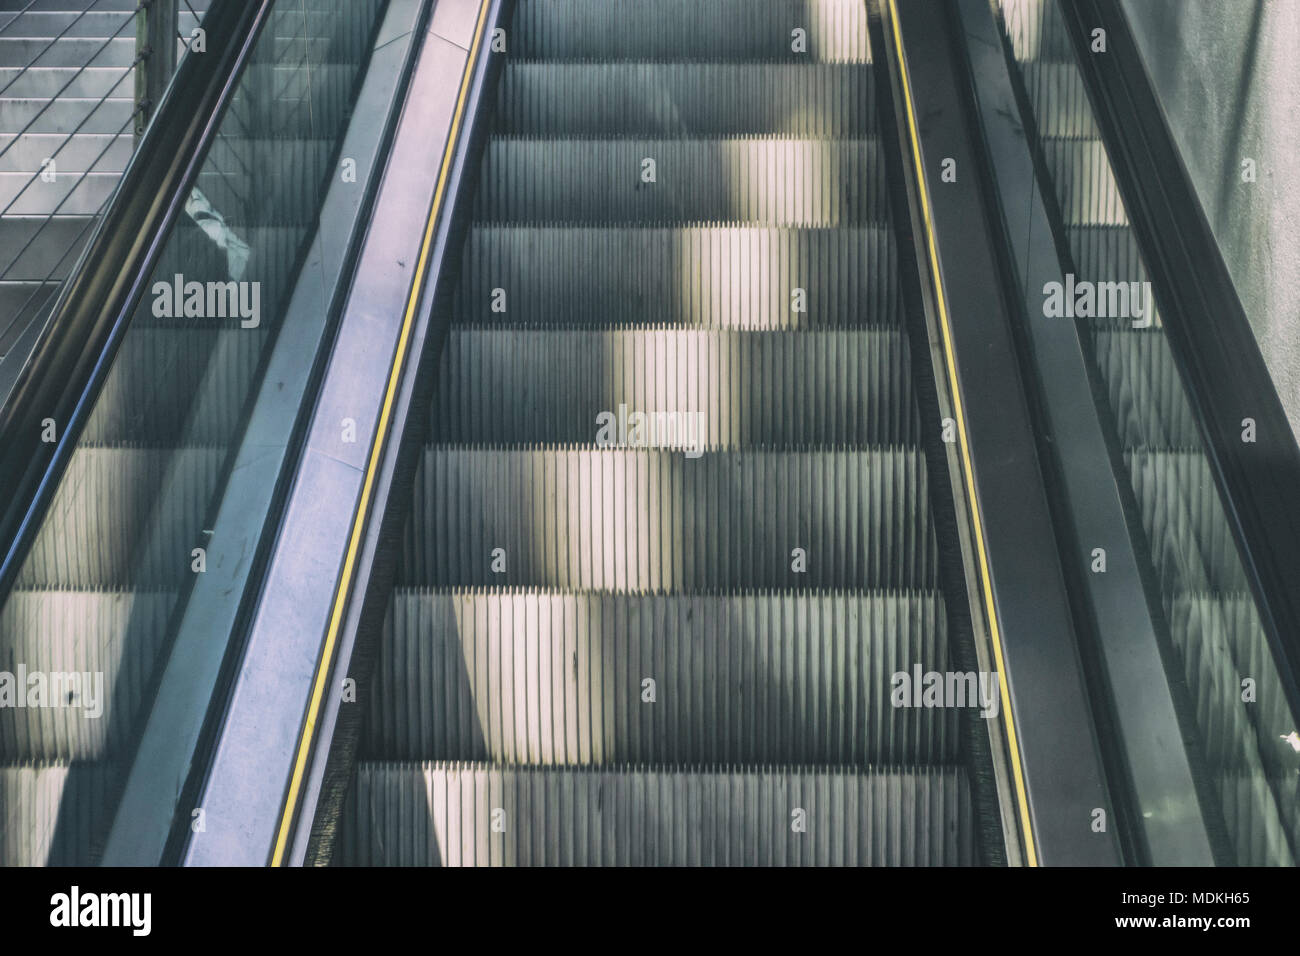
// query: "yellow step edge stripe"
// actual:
[[968, 473], [344, 588]]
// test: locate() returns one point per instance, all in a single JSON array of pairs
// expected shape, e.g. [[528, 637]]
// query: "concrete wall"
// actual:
[[1228, 74]]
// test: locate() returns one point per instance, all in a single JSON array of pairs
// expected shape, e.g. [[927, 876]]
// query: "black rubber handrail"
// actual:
[[1207, 328], [67, 367]]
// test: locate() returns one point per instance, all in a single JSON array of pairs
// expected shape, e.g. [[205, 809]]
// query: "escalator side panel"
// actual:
[[1061, 780], [1169, 817], [291, 643], [1163, 409], [200, 659]]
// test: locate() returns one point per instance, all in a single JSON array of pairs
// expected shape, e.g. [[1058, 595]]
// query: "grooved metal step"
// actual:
[[638, 99], [1064, 109], [279, 163], [300, 102], [1191, 544], [797, 182], [716, 276], [195, 257], [113, 633], [1109, 254], [208, 371], [840, 387], [650, 520], [836, 30], [1145, 391], [1220, 641], [1036, 30], [53, 810], [559, 678], [1088, 193], [407, 814], [159, 496]]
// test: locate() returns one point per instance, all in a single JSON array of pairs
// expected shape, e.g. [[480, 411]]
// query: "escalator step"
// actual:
[[208, 372], [1111, 254], [1250, 808], [724, 99], [53, 811], [701, 276], [1221, 643], [527, 677], [159, 498], [650, 520], [444, 814], [116, 635], [750, 388], [770, 587], [1220, 640], [289, 169], [1085, 183], [806, 182], [1191, 543], [1060, 99], [300, 103], [689, 30], [1037, 31], [1146, 393], [1106, 253]]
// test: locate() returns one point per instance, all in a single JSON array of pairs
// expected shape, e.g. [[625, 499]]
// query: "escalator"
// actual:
[[675, 648], [631, 434], [1210, 614], [95, 604]]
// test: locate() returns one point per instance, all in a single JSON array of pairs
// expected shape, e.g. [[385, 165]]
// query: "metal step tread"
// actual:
[[743, 388], [54, 810], [773, 677], [836, 30], [781, 181], [710, 275], [549, 98], [460, 814], [111, 637], [618, 518]]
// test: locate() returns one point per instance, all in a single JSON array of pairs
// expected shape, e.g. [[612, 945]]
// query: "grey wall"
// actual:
[[1228, 74]]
